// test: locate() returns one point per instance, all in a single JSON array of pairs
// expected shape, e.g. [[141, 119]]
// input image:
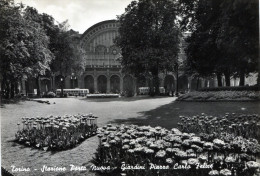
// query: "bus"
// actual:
[[73, 92], [146, 90]]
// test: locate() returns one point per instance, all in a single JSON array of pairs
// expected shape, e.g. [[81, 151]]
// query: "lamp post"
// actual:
[[73, 77], [61, 85], [176, 68]]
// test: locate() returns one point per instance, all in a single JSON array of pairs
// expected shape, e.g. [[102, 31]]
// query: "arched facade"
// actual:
[[101, 56], [89, 83]]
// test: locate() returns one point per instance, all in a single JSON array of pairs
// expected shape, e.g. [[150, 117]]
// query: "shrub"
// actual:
[[220, 96], [230, 88], [102, 95]]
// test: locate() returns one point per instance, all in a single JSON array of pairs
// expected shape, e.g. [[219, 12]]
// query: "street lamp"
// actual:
[[61, 85], [73, 77]]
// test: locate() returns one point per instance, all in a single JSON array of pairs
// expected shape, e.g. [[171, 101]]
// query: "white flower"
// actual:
[[138, 149], [130, 151], [169, 161], [148, 151], [195, 139], [208, 145], [176, 131], [160, 154], [225, 172], [253, 165], [203, 158], [218, 142], [193, 161], [230, 159], [213, 172], [181, 154], [125, 147], [112, 141], [125, 141]]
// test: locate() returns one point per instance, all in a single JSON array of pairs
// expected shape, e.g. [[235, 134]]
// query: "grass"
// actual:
[[154, 111], [167, 115]]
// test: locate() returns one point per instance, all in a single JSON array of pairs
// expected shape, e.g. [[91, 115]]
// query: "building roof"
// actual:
[[96, 25]]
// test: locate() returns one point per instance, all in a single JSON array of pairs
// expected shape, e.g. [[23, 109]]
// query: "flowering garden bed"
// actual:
[[144, 150], [220, 96], [230, 125], [102, 95], [56, 132]]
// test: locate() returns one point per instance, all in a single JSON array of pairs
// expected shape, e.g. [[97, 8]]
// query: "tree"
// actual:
[[148, 38], [63, 44], [239, 35], [23, 48], [224, 37], [68, 54]]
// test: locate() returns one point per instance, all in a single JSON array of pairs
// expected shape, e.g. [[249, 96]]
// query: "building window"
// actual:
[[100, 49]]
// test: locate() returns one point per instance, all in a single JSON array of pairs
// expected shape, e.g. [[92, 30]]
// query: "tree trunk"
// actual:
[[219, 78], [156, 84], [38, 86], [177, 82], [16, 90], [3, 88], [7, 90], [26, 88], [198, 81], [242, 78], [227, 79], [12, 89]]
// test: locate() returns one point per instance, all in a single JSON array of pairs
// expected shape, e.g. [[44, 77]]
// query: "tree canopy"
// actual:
[[32, 45], [23, 47], [224, 37], [148, 38]]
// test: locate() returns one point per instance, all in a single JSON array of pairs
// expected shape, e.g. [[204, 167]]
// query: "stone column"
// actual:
[[108, 84], [95, 84]]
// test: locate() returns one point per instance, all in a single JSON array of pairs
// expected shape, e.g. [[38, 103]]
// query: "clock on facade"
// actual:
[[114, 51]]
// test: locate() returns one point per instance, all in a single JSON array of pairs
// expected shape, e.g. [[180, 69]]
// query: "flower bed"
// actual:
[[56, 133], [144, 150], [102, 95], [220, 96], [244, 125]]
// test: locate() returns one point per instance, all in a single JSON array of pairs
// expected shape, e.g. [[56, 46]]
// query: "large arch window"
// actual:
[[102, 84], [89, 83], [100, 49], [115, 84]]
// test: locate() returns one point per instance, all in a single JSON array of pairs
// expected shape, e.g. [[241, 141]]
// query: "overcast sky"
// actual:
[[81, 13]]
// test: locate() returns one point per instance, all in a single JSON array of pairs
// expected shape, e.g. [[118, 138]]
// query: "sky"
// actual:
[[81, 14]]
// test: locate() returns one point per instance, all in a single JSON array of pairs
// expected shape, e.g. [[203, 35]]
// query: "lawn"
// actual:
[[163, 111]]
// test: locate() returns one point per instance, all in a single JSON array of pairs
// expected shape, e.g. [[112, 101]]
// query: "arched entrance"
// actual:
[[102, 84], [183, 83], [89, 83], [128, 85], [169, 84], [115, 84], [45, 85]]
